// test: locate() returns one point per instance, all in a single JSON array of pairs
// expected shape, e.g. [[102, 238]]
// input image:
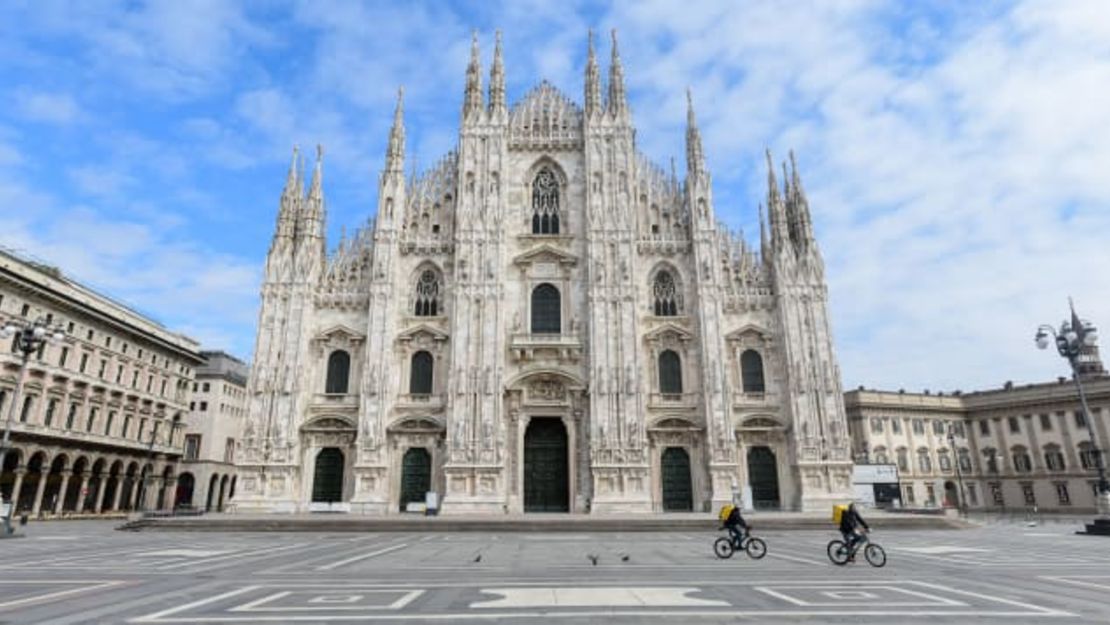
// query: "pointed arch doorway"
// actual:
[[546, 470], [327, 480]]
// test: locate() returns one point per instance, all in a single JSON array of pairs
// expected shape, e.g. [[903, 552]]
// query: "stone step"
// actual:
[[522, 523]]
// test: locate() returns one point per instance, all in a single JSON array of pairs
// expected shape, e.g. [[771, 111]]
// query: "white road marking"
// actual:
[[937, 550], [183, 553], [258, 554], [85, 587], [363, 556], [1078, 580], [612, 597]]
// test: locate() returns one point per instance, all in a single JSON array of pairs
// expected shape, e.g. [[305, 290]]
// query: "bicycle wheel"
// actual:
[[723, 547], [756, 548], [875, 555], [838, 552]]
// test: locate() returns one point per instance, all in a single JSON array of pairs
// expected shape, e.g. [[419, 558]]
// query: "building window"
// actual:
[[162, 392], [71, 417], [876, 425], [1046, 423], [984, 428], [207, 387], [92, 420], [546, 310], [1022, 462], [918, 427], [924, 462], [135, 379], [420, 380], [90, 335], [670, 373], [972, 495], [944, 461], [126, 427], [50, 407], [192, 446], [965, 461], [103, 367], [1062, 493], [958, 428], [880, 456], [996, 494], [25, 412], [63, 356], [938, 427], [108, 424], [142, 428], [908, 494], [427, 294], [667, 299], [339, 373], [1080, 419], [903, 460], [896, 425], [23, 312], [930, 495], [992, 460], [751, 368], [1015, 426], [1028, 494], [229, 451], [119, 374], [192, 405], [149, 382], [84, 363], [545, 203], [1088, 456], [1053, 458]]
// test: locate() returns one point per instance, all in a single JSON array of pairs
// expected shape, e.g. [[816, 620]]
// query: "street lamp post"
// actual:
[[1070, 340], [29, 338], [960, 499]]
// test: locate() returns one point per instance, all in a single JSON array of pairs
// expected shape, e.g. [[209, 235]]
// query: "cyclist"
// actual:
[[850, 523], [735, 524]]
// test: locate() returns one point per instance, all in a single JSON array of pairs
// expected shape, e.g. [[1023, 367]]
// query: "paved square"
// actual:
[[81, 572]]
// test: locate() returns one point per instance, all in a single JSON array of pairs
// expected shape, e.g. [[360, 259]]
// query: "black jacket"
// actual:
[[735, 519], [850, 520]]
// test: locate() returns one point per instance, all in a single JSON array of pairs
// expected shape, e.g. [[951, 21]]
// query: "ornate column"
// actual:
[[17, 485], [79, 505], [102, 484], [59, 505], [38, 493], [118, 494]]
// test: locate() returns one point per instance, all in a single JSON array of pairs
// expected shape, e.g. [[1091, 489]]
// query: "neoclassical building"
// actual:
[[544, 320], [98, 425]]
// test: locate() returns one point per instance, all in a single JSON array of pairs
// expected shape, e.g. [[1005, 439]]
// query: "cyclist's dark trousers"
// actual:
[[850, 539], [736, 533]]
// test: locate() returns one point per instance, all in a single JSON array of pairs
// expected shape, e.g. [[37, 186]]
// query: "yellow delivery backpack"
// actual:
[[838, 511], [725, 511]]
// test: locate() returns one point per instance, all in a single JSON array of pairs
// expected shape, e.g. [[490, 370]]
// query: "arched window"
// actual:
[[751, 369], [546, 310], [1053, 458], [665, 291], [545, 203], [924, 461], [427, 295], [339, 369], [880, 456], [670, 373], [944, 461], [420, 380]]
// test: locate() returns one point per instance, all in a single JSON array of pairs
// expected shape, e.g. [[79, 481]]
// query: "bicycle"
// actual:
[[839, 553], [725, 546]]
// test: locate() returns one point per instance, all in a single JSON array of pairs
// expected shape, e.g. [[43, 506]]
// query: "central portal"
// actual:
[[546, 483], [327, 482]]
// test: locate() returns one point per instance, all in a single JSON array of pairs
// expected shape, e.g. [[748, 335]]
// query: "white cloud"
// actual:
[[53, 108]]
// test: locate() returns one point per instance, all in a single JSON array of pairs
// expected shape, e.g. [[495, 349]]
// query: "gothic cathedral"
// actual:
[[543, 321]]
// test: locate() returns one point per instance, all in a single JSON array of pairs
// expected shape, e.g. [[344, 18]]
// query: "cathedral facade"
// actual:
[[543, 321]]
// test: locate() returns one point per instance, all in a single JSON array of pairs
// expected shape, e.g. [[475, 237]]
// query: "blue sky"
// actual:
[[956, 154]]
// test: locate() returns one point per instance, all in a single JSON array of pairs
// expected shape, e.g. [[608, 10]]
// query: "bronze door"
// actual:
[[416, 476], [327, 483], [677, 493], [546, 483]]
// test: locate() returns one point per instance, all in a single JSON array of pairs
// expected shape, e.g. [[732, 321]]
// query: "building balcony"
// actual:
[[681, 401], [526, 346], [64, 438]]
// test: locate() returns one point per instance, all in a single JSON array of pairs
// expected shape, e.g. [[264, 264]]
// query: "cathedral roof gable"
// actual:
[[669, 328], [339, 330], [748, 328], [425, 329]]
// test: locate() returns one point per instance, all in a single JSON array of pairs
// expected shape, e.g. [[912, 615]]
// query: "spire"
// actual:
[[593, 78], [776, 209], [805, 222], [291, 179], [497, 79], [395, 153], [472, 100], [316, 191], [695, 158], [762, 233], [618, 102]]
